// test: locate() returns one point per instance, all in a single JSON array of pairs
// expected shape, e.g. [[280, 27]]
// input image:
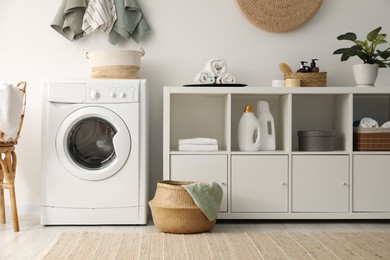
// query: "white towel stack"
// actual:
[[215, 71], [204, 77], [199, 144], [11, 106], [386, 124], [226, 78], [367, 122]]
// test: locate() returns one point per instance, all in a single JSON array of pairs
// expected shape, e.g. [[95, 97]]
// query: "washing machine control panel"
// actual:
[[112, 93]]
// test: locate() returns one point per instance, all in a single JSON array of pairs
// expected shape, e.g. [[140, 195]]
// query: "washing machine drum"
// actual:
[[93, 143]]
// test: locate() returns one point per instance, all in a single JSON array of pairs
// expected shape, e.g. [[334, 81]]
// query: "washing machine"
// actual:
[[94, 152]]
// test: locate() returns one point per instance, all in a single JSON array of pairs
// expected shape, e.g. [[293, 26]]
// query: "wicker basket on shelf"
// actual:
[[174, 211], [313, 79], [371, 139]]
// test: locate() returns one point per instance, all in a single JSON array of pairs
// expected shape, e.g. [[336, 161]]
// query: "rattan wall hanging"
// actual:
[[279, 15]]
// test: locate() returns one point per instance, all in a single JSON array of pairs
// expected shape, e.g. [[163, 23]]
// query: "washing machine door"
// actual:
[[93, 143]]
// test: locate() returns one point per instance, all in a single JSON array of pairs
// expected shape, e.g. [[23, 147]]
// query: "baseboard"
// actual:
[[25, 210]]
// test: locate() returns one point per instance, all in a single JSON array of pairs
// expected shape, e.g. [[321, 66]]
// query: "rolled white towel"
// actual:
[[204, 77], [226, 78], [198, 140], [11, 106], [367, 122], [217, 67], [386, 124], [198, 148]]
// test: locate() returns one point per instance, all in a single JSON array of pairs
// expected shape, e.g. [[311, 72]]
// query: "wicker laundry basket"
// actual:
[[115, 64], [174, 211]]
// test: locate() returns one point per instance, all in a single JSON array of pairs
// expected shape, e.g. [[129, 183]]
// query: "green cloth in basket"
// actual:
[[207, 196]]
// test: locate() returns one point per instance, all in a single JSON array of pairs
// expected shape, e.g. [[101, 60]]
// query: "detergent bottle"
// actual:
[[267, 127], [248, 131]]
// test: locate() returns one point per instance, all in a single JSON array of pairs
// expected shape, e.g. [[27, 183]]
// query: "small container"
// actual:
[[313, 66], [303, 68], [316, 140]]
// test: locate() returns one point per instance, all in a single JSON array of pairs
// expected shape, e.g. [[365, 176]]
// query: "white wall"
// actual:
[[186, 34]]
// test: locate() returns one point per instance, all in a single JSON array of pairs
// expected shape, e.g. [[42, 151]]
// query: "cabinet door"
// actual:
[[202, 168], [320, 183], [259, 183], [371, 181]]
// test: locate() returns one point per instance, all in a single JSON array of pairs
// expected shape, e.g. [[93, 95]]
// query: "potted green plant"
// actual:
[[366, 73]]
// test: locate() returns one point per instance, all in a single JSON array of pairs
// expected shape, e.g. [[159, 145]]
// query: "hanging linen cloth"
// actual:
[[130, 22], [69, 18], [100, 14]]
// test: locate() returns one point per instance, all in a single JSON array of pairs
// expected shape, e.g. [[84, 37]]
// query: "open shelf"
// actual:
[[285, 183]]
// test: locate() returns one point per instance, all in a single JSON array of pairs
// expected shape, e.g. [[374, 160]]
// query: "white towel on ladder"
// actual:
[[100, 14], [11, 106]]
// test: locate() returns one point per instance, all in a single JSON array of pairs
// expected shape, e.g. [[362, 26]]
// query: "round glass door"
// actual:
[[90, 143], [93, 143]]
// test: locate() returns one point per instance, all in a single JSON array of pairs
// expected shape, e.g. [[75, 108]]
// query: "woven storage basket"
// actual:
[[371, 139], [115, 64], [174, 211], [313, 79]]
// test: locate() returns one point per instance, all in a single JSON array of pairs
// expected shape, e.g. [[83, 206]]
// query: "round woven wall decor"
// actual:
[[279, 15]]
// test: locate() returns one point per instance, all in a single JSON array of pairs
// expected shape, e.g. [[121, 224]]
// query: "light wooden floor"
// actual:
[[34, 240]]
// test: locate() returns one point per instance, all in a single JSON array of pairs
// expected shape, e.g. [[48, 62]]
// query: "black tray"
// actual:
[[215, 85]]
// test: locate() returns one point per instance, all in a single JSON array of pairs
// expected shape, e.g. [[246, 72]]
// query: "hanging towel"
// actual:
[[226, 78], [207, 196], [205, 77], [198, 147], [130, 22], [198, 140], [69, 19], [11, 106], [100, 14], [367, 122], [217, 67]]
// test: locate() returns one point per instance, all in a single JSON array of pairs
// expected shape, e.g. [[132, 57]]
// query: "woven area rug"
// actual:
[[264, 245]]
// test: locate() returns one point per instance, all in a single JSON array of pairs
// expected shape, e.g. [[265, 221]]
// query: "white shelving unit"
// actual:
[[285, 183]]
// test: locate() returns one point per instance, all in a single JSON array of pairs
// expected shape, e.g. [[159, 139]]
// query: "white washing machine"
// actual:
[[94, 152]]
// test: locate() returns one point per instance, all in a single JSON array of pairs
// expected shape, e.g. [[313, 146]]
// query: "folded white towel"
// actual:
[[198, 140], [367, 122], [11, 106], [198, 147], [216, 66], [226, 78], [386, 124], [204, 77]]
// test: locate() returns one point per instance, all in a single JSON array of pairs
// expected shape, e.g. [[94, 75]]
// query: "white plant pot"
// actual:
[[365, 74]]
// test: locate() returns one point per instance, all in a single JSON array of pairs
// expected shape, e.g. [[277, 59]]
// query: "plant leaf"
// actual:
[[340, 51], [347, 36], [371, 36], [361, 43], [347, 54], [384, 54], [381, 37], [380, 42]]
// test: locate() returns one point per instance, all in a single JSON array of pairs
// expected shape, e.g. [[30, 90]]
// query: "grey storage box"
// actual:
[[316, 140]]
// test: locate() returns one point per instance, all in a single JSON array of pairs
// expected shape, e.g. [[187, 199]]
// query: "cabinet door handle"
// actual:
[[223, 183], [283, 183], [345, 184]]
